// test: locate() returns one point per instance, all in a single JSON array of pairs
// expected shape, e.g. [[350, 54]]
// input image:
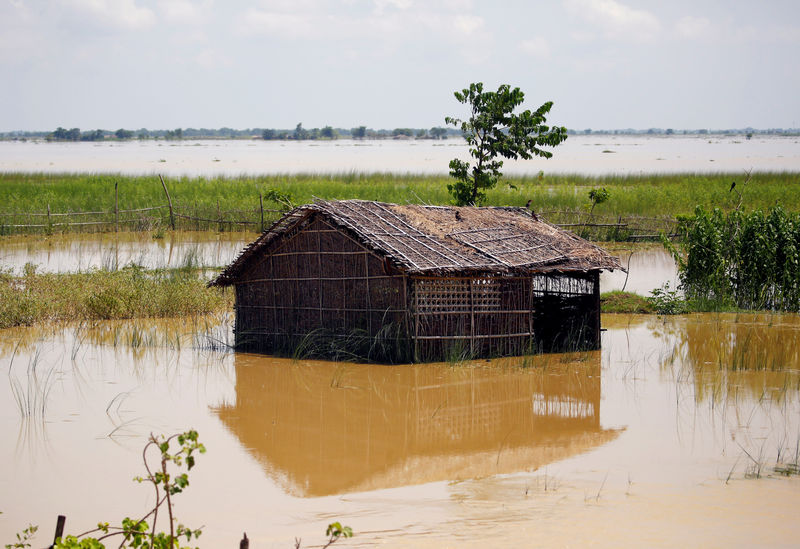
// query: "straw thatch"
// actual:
[[445, 239], [412, 282]]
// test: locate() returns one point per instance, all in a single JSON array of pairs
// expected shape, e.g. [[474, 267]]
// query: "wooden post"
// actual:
[[116, 207], [49, 223], [472, 320], [60, 522], [416, 320], [369, 298], [319, 273], [595, 277], [169, 201], [261, 204]]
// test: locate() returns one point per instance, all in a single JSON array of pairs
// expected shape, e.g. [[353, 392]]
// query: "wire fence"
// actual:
[[620, 228], [207, 217], [169, 215]]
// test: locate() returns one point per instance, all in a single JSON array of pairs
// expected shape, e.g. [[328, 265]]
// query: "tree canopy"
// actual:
[[493, 130]]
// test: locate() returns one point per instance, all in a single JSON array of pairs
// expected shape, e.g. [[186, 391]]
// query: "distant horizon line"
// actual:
[[226, 132]]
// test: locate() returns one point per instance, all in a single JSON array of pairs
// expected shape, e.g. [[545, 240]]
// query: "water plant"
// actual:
[[168, 475], [625, 302], [666, 301], [130, 292], [744, 260], [138, 533], [31, 396], [204, 200], [23, 538]]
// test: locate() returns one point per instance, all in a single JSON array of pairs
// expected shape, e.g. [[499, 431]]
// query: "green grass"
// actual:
[[131, 292], [625, 302], [644, 195]]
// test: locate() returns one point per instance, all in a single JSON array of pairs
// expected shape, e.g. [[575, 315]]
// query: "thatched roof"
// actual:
[[422, 239]]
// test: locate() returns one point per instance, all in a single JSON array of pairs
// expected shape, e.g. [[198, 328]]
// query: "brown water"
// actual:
[[649, 266], [82, 252], [650, 442]]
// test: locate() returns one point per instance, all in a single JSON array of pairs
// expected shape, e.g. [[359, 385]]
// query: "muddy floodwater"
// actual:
[[83, 252], [649, 266], [657, 440]]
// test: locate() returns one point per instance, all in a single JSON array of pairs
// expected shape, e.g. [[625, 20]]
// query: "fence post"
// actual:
[[261, 203], [59, 529], [49, 221], [169, 201], [116, 207]]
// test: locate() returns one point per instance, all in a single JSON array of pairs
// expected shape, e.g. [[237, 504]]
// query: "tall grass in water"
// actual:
[[31, 395], [748, 260], [645, 195], [130, 292]]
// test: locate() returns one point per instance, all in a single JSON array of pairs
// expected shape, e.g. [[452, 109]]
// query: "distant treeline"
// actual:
[[328, 132], [298, 133]]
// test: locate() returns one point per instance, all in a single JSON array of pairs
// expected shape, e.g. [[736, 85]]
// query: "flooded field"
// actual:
[[583, 154], [670, 424], [82, 252], [649, 265]]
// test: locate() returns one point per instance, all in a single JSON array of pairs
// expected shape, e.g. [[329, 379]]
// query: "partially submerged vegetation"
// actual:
[[625, 302], [167, 472], [131, 292], [629, 195], [741, 260]]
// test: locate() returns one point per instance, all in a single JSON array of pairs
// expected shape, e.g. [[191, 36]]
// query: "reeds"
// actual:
[[208, 197], [131, 292], [31, 395]]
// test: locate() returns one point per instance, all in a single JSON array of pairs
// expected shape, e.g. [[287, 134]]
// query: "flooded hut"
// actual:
[[402, 283]]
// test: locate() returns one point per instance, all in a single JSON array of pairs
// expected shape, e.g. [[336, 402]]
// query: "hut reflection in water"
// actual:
[[323, 428]]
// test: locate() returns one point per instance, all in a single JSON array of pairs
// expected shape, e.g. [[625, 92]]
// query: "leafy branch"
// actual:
[[137, 534]]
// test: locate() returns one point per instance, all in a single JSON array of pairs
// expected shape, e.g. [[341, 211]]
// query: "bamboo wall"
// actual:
[[503, 316], [320, 292]]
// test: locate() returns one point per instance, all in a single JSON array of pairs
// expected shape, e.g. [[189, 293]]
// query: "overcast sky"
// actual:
[[109, 64]]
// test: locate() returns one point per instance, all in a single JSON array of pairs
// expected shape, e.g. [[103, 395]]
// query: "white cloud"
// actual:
[[210, 59], [616, 20], [457, 5], [536, 47], [693, 27], [380, 5], [184, 11], [467, 24], [298, 25], [390, 24], [124, 14]]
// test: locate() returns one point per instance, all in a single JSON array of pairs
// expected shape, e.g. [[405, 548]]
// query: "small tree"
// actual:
[[494, 130]]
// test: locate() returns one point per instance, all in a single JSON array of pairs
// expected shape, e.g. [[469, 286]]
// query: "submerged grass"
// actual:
[[625, 302], [131, 292], [646, 195]]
